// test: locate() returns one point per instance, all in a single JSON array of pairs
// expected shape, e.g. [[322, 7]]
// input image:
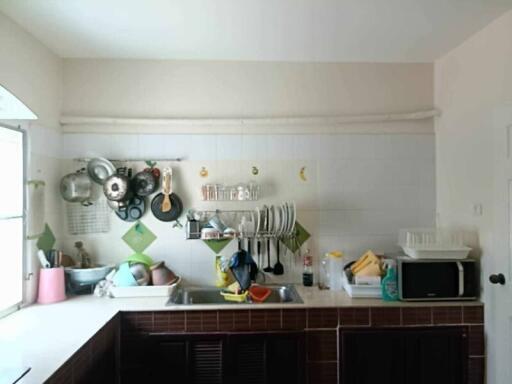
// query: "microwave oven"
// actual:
[[437, 279]]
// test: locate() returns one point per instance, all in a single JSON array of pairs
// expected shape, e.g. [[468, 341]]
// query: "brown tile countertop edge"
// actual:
[[23, 341], [299, 319]]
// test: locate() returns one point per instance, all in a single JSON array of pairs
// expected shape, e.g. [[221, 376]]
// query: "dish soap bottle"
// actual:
[[82, 255], [389, 283], [307, 275]]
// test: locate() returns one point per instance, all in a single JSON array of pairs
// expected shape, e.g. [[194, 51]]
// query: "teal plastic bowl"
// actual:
[[124, 277]]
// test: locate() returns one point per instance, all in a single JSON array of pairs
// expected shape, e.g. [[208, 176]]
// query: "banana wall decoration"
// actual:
[[302, 174]]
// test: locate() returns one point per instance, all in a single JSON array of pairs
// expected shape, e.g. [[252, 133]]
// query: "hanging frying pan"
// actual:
[[158, 205]]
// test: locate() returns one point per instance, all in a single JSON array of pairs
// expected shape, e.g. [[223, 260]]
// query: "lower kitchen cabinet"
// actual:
[[188, 359], [403, 356], [216, 358], [270, 358]]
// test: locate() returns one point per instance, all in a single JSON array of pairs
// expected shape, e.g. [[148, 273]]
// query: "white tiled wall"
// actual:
[[360, 189]]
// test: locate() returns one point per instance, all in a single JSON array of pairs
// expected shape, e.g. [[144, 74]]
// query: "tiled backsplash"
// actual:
[[359, 189]]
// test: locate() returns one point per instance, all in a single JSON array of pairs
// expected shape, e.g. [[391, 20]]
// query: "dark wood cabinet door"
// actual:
[[286, 359], [207, 361], [403, 356], [370, 356], [436, 356], [192, 358], [266, 358], [247, 358]]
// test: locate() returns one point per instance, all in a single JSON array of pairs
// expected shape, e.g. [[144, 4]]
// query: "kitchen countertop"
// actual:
[[43, 337]]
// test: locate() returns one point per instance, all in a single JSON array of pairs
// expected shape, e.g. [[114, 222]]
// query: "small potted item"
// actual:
[[161, 275]]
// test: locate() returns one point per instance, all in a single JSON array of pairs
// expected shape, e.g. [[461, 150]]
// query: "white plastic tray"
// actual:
[[145, 291], [362, 291]]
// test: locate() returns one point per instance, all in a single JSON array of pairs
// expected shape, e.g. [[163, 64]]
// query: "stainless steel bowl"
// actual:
[[92, 275], [141, 273]]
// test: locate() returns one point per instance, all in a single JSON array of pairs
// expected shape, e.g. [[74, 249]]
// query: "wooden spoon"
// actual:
[[167, 190]]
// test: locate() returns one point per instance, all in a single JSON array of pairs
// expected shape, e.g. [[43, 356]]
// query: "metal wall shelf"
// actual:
[[87, 159]]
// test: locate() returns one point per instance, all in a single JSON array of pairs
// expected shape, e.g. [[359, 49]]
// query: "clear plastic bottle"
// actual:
[[307, 275], [332, 265]]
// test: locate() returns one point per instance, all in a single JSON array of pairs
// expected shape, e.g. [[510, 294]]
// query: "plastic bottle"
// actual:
[[333, 270], [82, 255], [307, 275], [389, 284]]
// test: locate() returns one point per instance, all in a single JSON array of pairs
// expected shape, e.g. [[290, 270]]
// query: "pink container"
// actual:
[[51, 285]]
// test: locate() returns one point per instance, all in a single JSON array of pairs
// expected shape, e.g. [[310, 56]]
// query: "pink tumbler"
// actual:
[[51, 285]]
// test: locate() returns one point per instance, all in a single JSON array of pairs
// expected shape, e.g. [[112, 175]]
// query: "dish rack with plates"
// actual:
[[273, 221], [433, 243]]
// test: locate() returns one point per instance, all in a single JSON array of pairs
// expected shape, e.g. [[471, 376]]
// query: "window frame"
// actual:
[[15, 307]]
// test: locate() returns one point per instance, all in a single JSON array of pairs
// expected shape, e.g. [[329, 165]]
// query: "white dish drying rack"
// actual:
[[274, 221], [433, 243]]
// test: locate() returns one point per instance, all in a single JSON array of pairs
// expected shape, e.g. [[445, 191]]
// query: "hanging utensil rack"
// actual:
[[87, 159]]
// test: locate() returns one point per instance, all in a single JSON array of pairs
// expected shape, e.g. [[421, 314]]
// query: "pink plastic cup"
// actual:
[[51, 285]]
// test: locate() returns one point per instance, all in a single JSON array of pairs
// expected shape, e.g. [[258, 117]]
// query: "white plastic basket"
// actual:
[[433, 243]]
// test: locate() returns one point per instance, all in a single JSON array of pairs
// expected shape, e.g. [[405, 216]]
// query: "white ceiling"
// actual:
[[268, 30]]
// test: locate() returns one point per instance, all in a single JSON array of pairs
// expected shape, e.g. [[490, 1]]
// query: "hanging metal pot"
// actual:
[[76, 187], [117, 187], [144, 183]]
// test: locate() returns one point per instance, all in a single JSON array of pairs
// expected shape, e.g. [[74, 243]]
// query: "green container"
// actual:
[[140, 258]]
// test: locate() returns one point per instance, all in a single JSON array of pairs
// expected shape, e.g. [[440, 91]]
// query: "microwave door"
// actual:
[[431, 280]]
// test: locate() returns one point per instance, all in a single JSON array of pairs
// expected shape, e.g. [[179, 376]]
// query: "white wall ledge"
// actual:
[[409, 122]]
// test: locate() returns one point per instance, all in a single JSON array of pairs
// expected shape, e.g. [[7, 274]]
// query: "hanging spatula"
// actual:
[[167, 190]]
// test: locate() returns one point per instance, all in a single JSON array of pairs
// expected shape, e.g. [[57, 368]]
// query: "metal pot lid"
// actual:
[[100, 169]]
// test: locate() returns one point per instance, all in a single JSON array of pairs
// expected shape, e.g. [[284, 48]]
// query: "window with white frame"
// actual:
[[11, 217]]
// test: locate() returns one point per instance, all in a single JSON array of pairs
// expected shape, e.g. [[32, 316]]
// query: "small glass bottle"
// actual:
[[307, 275], [83, 256]]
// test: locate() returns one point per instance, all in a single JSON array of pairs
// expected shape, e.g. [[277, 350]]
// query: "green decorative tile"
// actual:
[[139, 237], [294, 244], [217, 245], [47, 239]]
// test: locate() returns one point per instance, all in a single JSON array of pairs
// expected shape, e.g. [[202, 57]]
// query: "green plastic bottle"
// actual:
[[389, 285]]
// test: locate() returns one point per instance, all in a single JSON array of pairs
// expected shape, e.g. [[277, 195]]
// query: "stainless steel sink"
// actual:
[[283, 294]]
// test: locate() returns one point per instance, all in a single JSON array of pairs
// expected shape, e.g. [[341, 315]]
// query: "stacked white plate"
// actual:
[[276, 220]]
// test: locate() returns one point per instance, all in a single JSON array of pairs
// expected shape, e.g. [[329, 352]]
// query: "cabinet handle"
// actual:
[[461, 278]]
